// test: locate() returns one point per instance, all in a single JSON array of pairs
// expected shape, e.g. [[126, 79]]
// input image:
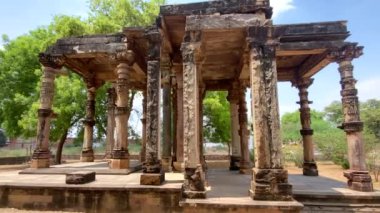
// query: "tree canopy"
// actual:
[[20, 70]]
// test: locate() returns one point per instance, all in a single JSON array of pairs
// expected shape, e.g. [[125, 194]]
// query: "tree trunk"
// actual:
[[62, 140]]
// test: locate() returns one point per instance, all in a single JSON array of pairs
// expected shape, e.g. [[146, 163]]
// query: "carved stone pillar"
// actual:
[[269, 180], [143, 122], [202, 94], [174, 126], [41, 154], [110, 140], [233, 98], [245, 162], [120, 154], [87, 154], [179, 163], [194, 185], [167, 118], [153, 174], [358, 176], [309, 164]]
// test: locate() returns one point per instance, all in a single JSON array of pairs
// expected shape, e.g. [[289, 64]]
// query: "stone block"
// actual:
[[40, 163], [80, 177], [167, 164], [179, 166], [119, 164], [152, 178]]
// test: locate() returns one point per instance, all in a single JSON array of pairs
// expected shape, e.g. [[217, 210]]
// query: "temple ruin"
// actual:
[[192, 48]]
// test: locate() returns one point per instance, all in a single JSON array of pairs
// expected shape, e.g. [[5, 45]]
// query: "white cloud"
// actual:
[[281, 6], [368, 89]]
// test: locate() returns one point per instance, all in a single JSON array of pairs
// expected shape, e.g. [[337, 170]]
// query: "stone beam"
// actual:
[[220, 22], [167, 44], [213, 7], [313, 64]]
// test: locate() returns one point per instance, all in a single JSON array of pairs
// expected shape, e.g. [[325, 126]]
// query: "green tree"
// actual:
[[217, 117], [109, 16]]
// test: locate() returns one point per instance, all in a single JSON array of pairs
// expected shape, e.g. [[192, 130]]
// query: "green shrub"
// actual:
[[293, 153]]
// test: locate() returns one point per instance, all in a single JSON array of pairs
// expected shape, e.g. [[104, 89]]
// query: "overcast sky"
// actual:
[[17, 17]]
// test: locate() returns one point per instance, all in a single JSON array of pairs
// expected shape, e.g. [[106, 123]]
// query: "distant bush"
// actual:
[[3, 139], [293, 153]]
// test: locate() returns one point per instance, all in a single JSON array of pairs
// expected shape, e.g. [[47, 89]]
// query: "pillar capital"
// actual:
[[347, 53], [54, 62], [303, 83]]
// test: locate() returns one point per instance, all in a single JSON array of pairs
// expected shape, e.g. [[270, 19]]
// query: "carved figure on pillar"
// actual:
[[233, 98], [153, 174], [245, 162], [194, 185], [358, 176], [120, 155], [309, 164], [41, 154], [269, 180], [110, 140]]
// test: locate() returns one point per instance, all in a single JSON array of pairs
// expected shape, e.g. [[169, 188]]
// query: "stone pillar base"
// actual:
[[245, 168], [194, 184], [40, 163], [310, 168], [359, 180], [87, 156], [166, 163], [270, 184], [119, 163], [234, 163], [40, 159], [179, 166], [152, 178]]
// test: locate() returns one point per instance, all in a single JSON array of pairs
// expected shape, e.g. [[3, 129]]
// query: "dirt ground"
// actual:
[[330, 170]]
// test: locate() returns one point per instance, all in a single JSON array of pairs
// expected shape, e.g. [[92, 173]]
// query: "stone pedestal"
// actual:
[[359, 180], [87, 156], [152, 178], [270, 184], [194, 187]]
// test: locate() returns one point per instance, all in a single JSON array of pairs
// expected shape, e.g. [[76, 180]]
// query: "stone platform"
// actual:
[[100, 167], [228, 192]]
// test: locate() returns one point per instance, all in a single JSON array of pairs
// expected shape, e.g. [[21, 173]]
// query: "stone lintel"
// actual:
[[220, 22], [221, 7], [152, 178], [80, 177]]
